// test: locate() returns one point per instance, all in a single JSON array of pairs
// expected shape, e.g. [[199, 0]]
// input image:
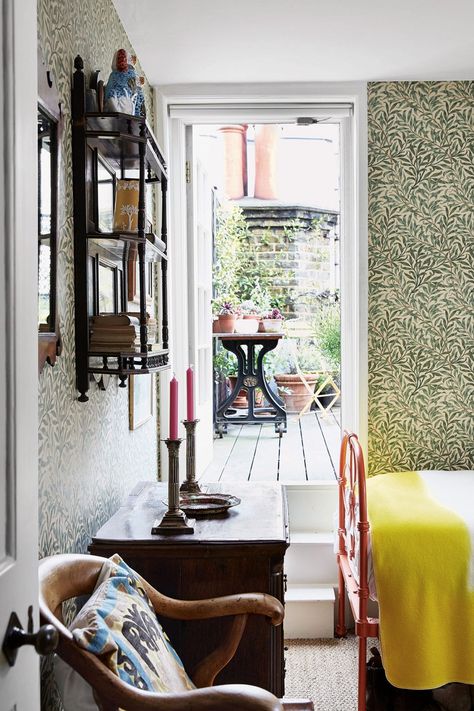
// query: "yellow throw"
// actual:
[[421, 553]]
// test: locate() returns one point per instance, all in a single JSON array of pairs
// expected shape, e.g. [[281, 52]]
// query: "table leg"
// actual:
[[251, 375]]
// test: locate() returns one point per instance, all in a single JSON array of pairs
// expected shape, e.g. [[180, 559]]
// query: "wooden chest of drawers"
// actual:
[[241, 552]]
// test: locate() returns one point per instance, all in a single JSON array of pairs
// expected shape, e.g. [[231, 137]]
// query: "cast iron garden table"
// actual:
[[250, 376]]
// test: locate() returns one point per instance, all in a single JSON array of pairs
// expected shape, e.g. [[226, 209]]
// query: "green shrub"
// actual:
[[237, 273], [327, 333]]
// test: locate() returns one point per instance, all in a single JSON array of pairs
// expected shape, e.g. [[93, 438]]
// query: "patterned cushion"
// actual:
[[118, 623]]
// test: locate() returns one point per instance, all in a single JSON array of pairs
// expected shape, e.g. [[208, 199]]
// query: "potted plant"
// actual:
[[248, 318], [272, 321], [225, 317], [283, 364]]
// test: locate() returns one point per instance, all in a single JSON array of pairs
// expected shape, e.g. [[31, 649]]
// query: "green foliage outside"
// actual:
[[326, 328], [225, 364], [239, 276]]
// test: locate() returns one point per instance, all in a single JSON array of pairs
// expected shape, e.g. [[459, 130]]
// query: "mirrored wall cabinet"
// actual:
[[120, 247], [50, 130]]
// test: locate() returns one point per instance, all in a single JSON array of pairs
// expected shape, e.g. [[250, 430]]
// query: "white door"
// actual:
[[199, 198], [18, 348]]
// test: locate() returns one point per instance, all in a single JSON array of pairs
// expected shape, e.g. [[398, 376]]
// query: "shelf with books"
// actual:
[[117, 162], [125, 363], [115, 348]]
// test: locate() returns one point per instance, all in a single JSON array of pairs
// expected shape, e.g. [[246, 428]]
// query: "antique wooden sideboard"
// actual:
[[240, 552]]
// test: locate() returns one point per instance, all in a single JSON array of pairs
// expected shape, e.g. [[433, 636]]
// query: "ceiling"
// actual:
[[215, 41]]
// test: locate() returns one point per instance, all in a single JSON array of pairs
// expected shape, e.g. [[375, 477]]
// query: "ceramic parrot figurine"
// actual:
[[121, 87]]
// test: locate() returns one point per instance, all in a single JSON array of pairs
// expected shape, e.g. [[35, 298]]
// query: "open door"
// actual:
[[19, 682], [200, 219]]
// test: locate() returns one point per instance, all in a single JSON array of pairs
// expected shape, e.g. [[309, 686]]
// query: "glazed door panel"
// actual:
[[200, 227]]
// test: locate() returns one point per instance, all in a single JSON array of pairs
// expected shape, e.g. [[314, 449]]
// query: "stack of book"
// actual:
[[150, 323], [114, 333]]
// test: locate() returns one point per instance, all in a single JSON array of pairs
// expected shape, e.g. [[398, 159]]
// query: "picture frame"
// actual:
[[141, 400]]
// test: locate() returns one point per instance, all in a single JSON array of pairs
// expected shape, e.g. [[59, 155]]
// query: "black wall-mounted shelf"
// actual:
[[127, 146]]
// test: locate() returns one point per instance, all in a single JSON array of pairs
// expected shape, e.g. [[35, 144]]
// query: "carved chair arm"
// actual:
[[244, 604], [231, 697], [239, 606], [207, 670]]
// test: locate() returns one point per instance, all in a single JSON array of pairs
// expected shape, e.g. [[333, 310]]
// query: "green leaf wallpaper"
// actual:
[[88, 458], [421, 275]]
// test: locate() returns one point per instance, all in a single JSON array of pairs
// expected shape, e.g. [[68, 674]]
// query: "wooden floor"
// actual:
[[308, 451]]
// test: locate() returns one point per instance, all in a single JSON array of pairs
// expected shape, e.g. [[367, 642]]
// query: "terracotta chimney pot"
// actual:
[[267, 137], [235, 161]]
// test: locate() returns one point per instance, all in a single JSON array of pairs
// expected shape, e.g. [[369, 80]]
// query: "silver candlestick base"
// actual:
[[174, 520], [190, 485]]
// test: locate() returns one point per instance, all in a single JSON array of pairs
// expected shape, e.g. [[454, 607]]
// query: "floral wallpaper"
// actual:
[[421, 275], [88, 458]]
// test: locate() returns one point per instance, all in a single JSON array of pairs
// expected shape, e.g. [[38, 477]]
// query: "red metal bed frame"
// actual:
[[352, 490]]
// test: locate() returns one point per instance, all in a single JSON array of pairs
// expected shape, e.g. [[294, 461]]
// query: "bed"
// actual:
[[422, 613]]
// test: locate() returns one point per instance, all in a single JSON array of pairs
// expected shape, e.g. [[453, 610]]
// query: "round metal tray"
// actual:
[[207, 504]]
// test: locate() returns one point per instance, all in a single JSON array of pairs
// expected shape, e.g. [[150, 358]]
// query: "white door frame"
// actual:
[[19, 335], [199, 230], [221, 103]]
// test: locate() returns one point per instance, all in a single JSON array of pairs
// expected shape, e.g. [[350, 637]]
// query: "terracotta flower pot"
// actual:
[[241, 399], [225, 323], [297, 395]]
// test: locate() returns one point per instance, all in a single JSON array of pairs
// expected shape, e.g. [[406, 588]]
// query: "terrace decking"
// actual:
[[309, 451]]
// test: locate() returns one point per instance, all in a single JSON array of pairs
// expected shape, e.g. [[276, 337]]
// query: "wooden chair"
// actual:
[[63, 577]]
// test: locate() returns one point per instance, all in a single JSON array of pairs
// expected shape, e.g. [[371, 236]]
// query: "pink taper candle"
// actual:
[[173, 409], [190, 393]]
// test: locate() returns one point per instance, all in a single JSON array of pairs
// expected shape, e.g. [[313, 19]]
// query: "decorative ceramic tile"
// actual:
[[88, 458], [421, 275]]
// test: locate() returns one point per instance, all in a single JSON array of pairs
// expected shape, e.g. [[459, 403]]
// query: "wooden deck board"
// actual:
[[265, 463], [222, 451], [240, 463], [318, 462], [331, 431], [292, 465], [308, 451]]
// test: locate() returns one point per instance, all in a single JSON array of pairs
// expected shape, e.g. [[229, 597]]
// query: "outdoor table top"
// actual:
[[248, 336]]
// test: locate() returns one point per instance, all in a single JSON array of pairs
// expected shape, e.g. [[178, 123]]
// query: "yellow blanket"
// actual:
[[421, 553]]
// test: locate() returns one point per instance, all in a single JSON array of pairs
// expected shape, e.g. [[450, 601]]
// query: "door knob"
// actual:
[[45, 640]]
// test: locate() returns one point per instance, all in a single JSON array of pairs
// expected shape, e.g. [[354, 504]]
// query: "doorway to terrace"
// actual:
[[264, 200], [194, 134]]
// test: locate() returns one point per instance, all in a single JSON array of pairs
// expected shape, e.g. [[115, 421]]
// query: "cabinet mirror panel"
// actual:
[[48, 198], [105, 196], [47, 149]]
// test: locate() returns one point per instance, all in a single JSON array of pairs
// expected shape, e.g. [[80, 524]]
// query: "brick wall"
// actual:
[[303, 243]]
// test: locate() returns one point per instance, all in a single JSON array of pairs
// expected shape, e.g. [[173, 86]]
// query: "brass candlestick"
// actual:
[[190, 485], [174, 520]]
